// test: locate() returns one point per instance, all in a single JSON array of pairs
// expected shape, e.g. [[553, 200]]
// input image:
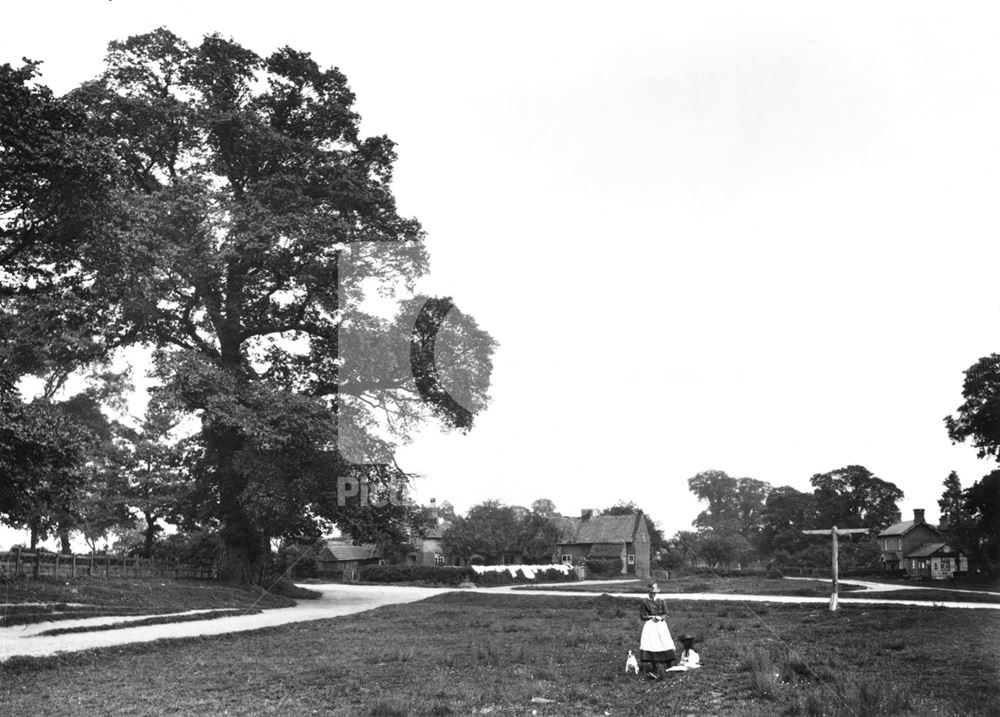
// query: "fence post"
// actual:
[[55, 569], [17, 568], [38, 562], [107, 565], [74, 565]]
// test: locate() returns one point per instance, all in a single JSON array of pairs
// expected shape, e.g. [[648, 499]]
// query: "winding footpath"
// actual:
[[337, 600], [340, 599]]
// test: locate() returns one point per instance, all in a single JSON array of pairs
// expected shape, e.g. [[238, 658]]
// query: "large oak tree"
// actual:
[[247, 220]]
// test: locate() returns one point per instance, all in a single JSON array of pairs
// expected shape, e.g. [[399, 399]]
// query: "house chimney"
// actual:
[[434, 511], [897, 517], [586, 513], [918, 515]]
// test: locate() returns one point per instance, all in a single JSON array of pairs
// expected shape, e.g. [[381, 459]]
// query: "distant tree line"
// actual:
[[492, 530], [747, 521]]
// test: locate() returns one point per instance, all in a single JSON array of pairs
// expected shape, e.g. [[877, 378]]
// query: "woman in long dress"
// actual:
[[656, 647]]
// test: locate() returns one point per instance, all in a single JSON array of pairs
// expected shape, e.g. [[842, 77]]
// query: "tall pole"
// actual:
[[835, 562], [834, 571]]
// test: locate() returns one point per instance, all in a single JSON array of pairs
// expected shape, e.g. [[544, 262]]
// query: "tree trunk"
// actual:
[[64, 546], [149, 535], [34, 537], [239, 557]]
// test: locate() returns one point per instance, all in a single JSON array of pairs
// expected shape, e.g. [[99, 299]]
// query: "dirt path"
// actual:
[[850, 599], [337, 600], [802, 599]]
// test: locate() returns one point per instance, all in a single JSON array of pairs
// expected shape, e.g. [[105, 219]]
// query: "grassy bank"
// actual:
[[479, 653], [29, 600]]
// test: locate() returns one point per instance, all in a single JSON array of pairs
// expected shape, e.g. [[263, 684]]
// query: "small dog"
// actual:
[[631, 663]]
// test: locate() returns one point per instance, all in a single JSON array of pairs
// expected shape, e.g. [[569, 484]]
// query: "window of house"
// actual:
[[568, 559], [631, 559], [946, 564], [438, 559]]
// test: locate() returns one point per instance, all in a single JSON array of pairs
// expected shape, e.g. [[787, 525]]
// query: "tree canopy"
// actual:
[[978, 418], [494, 530], [853, 497], [735, 505], [234, 218]]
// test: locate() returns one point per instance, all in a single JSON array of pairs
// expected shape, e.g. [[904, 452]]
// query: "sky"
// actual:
[[752, 237]]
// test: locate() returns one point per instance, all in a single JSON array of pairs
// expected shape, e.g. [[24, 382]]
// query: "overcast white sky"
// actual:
[[755, 237]]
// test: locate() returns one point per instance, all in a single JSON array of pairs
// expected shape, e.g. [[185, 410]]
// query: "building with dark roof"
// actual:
[[625, 537], [918, 547], [340, 559]]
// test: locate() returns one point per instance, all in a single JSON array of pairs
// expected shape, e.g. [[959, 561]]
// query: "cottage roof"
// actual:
[[597, 529], [926, 550], [345, 551], [904, 527]]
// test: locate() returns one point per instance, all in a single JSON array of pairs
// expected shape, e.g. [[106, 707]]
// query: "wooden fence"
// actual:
[[101, 565]]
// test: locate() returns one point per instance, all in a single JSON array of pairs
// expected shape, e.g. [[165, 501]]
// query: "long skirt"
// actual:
[[656, 645]]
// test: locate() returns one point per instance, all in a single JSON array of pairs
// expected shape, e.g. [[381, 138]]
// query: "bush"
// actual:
[[727, 573], [413, 574], [872, 573], [199, 549], [604, 567], [297, 560], [454, 576], [552, 575]]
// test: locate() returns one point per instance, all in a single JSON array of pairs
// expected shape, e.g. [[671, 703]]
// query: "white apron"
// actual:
[[656, 637]]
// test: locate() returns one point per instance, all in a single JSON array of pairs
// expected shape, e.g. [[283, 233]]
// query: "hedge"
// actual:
[[414, 574], [454, 576]]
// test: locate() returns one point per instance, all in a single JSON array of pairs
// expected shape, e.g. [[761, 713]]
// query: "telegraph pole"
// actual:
[[834, 532]]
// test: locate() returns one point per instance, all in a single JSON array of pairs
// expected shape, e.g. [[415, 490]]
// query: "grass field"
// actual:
[[29, 600], [776, 586], [738, 586], [480, 653]]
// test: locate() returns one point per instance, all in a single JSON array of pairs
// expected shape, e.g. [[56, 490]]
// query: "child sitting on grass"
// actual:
[[689, 656]]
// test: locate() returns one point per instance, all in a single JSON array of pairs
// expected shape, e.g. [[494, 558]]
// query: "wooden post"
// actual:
[[17, 565], [74, 565], [834, 570], [55, 570], [835, 562]]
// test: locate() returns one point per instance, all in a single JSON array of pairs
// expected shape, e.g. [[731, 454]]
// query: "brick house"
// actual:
[[625, 537], [918, 547], [429, 550]]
